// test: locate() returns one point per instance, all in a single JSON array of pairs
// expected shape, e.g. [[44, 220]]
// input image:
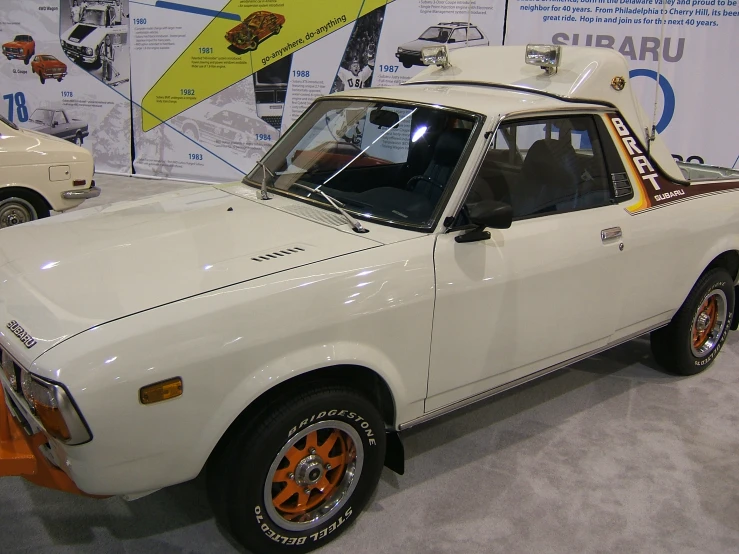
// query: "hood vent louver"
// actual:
[[278, 254]]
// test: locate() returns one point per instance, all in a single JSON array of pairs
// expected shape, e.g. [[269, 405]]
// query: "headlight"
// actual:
[[54, 409], [9, 370], [88, 51]]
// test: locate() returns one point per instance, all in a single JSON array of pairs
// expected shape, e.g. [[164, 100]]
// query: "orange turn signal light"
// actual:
[[163, 390]]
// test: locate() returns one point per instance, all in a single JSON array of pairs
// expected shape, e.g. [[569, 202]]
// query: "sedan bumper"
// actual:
[[82, 194]]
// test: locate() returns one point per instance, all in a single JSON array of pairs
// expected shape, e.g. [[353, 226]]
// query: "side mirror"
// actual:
[[488, 213], [54, 123]]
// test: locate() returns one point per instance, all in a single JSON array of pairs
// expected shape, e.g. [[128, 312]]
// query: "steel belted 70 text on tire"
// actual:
[[298, 478]]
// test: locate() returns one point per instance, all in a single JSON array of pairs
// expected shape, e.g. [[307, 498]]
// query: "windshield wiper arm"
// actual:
[[355, 224], [265, 170]]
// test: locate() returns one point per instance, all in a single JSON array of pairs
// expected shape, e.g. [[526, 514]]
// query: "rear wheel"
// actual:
[[20, 207], [301, 477], [694, 337], [78, 139]]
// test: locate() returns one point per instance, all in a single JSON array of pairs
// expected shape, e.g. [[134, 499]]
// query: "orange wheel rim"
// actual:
[[311, 472], [708, 311]]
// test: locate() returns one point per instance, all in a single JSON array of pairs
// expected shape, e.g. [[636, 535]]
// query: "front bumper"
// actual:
[[82, 194], [413, 58], [20, 454], [15, 55], [77, 56]]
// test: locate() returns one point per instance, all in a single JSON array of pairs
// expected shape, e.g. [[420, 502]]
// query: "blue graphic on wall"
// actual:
[[668, 110]]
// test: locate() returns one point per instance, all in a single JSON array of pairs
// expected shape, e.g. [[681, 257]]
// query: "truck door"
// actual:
[[545, 290]]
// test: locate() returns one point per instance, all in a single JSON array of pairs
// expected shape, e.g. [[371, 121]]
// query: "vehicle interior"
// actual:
[[544, 167], [398, 171]]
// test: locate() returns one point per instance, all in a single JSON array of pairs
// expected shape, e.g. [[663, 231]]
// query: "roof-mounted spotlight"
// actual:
[[436, 55], [546, 56]]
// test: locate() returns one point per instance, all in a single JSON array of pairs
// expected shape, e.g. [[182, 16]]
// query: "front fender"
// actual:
[[371, 308]]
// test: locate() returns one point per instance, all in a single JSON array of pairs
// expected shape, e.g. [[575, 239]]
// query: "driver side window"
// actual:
[[543, 167]]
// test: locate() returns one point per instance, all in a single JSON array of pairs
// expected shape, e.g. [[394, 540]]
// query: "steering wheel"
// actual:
[[413, 180]]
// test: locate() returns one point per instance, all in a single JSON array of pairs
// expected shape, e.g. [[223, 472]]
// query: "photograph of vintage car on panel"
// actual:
[[94, 35]]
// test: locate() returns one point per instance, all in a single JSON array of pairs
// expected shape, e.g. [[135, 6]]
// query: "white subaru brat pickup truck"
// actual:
[[399, 253]]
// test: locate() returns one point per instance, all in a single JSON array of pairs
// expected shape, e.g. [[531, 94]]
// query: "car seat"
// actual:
[[447, 151]]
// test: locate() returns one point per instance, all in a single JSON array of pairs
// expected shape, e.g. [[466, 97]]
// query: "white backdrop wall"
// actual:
[[203, 106], [696, 111], [81, 105]]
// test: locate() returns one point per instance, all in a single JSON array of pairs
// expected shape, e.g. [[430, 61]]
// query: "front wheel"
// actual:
[[694, 337], [41, 78], [301, 477]]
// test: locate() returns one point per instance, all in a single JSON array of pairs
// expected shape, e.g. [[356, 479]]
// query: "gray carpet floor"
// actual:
[[611, 455]]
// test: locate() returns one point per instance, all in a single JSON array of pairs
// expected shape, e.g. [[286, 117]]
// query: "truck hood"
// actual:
[[417, 45], [79, 32], [65, 274], [13, 44]]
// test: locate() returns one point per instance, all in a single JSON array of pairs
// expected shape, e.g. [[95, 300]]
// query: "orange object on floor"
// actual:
[[20, 456]]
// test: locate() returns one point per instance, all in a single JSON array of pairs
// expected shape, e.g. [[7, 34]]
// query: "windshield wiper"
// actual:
[[356, 225]]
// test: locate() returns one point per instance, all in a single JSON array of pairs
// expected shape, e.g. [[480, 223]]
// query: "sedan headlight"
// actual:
[[8, 368], [54, 409], [88, 51]]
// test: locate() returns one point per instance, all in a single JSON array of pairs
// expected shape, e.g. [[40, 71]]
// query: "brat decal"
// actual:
[[656, 189]]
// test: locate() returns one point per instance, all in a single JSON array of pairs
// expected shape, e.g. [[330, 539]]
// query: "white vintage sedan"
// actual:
[[39, 173], [398, 254]]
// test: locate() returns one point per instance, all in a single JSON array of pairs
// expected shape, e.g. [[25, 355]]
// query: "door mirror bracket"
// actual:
[[488, 213]]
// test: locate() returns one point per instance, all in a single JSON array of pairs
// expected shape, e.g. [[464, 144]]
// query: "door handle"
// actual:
[[610, 234]]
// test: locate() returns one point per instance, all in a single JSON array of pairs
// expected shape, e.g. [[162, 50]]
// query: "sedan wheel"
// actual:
[[14, 211]]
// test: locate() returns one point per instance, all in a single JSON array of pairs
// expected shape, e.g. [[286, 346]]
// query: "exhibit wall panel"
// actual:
[[65, 72], [691, 44], [215, 83]]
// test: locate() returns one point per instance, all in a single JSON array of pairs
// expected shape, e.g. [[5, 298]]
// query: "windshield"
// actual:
[[41, 116], [93, 17], [435, 34], [392, 162]]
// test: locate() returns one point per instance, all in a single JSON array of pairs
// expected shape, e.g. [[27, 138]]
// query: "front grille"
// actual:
[[274, 120], [13, 50], [74, 49]]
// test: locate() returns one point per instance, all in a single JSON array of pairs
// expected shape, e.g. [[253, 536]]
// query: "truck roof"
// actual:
[[585, 75], [487, 101]]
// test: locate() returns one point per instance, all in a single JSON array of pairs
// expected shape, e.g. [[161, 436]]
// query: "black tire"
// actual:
[[20, 206], [27, 60], [59, 79], [78, 140], [694, 337], [240, 499], [407, 65], [41, 78]]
